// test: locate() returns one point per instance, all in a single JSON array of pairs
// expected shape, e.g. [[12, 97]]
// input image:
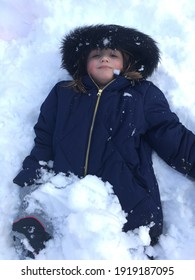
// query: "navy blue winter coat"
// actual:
[[118, 135]]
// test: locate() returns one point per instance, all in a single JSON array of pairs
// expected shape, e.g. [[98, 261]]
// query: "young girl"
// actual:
[[106, 122]]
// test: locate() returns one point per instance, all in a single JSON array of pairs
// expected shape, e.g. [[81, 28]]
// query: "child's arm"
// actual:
[[167, 136], [42, 150]]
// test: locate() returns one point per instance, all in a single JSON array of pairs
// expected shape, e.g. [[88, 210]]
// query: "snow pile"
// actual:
[[87, 219]]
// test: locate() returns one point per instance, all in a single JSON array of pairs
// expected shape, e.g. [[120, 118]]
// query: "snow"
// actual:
[[87, 216]]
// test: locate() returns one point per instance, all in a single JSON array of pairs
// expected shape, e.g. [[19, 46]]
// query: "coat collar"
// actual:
[[117, 84]]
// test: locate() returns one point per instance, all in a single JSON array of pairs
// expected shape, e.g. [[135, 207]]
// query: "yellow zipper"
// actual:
[[92, 125]]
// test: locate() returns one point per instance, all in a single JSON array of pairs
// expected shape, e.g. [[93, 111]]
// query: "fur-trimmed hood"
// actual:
[[79, 42]]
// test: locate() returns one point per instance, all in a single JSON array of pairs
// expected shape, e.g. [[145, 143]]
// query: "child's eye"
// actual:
[[95, 55]]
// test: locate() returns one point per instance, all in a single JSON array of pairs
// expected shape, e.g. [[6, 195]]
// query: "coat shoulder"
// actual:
[[148, 90], [143, 85]]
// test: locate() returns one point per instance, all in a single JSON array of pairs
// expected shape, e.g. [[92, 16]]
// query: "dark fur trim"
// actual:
[[79, 42]]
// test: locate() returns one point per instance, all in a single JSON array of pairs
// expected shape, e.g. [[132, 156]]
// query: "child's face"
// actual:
[[102, 63]]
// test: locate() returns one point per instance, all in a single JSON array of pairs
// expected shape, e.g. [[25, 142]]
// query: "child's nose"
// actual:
[[105, 58]]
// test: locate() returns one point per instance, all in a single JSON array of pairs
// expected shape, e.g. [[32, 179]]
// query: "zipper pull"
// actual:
[[99, 91]]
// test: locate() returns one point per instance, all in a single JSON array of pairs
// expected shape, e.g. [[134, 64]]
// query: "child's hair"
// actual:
[[129, 70], [140, 52]]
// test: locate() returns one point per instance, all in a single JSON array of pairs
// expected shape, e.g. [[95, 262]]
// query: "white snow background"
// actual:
[[87, 217]]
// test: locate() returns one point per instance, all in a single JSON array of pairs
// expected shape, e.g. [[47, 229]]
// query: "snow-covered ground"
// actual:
[[87, 216]]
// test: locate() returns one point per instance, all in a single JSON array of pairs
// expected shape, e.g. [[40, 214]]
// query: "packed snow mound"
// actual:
[[87, 219]]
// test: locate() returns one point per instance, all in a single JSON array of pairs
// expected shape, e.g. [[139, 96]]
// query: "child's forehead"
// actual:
[[104, 50]]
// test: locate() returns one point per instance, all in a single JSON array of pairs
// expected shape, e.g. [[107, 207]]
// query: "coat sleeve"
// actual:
[[166, 135], [42, 150]]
